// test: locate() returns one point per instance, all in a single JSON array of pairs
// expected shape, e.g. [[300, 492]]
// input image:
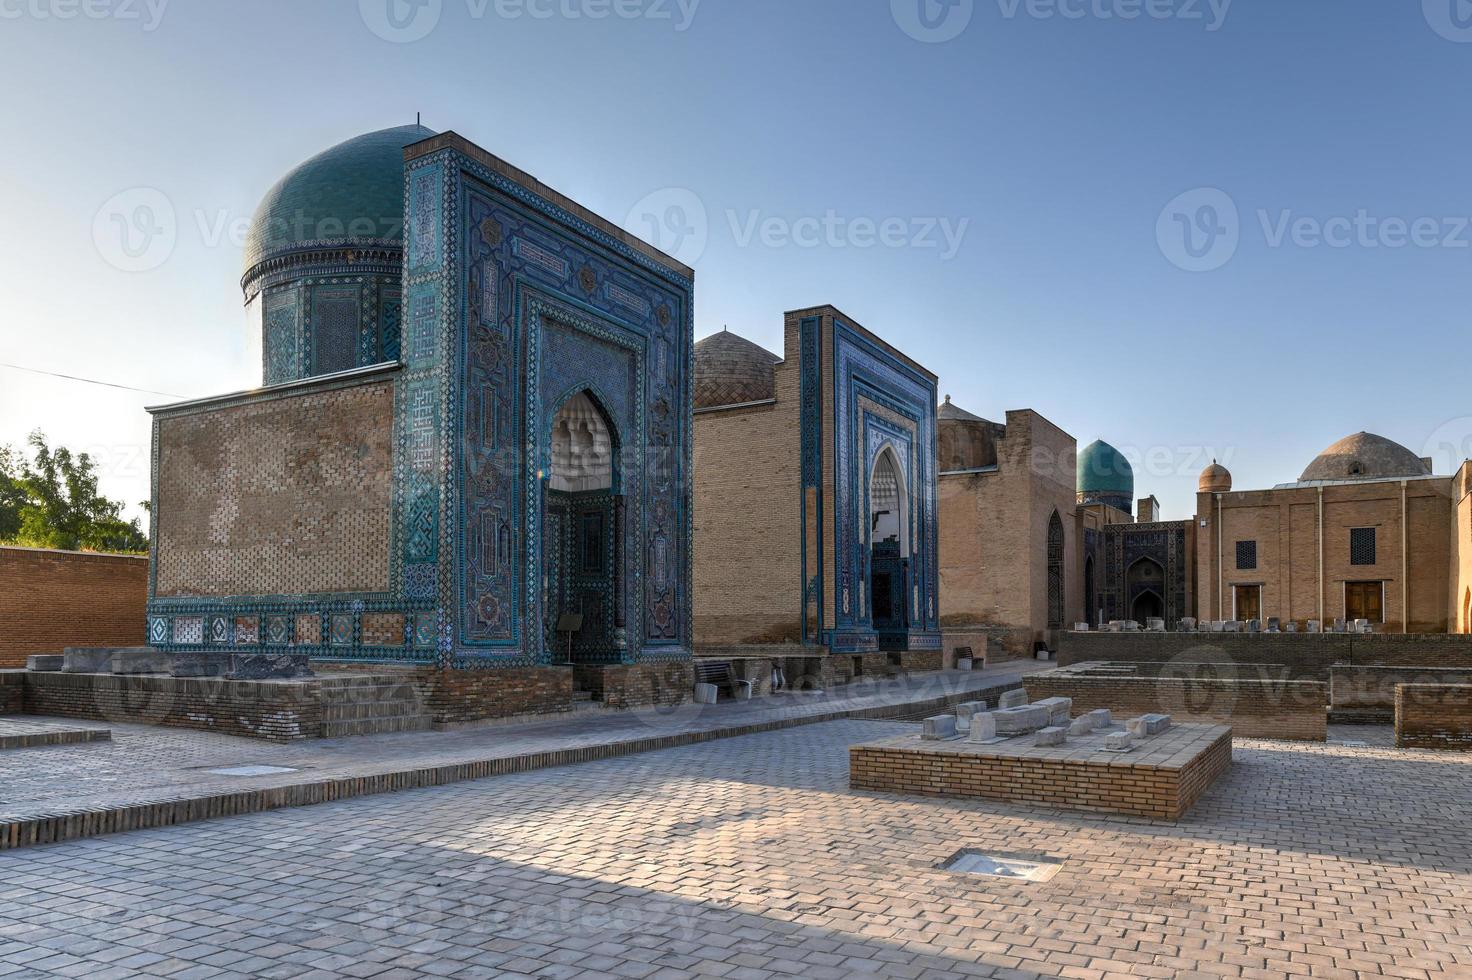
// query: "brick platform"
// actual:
[[1321, 650], [1255, 700], [22, 733], [1434, 716], [1161, 778]]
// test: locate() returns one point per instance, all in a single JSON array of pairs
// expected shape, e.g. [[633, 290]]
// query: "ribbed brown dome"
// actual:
[[1365, 456], [731, 370], [1216, 478]]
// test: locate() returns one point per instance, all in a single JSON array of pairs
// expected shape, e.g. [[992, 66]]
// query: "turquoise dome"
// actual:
[[1102, 469], [350, 193]]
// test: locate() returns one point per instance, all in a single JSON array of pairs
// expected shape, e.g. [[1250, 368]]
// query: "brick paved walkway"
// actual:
[[56, 793], [749, 858]]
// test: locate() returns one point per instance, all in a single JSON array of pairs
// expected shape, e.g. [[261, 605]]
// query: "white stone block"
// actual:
[[938, 727], [1052, 735], [706, 693], [1012, 699], [1082, 725], [964, 712], [1119, 741], [1148, 725], [1021, 719], [1102, 717], [963, 663], [983, 726], [1059, 709]]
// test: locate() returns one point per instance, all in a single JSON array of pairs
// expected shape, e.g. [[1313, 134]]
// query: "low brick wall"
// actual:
[[274, 710], [50, 600], [922, 660], [1299, 650], [640, 685], [454, 697], [1434, 716], [12, 692], [1137, 783], [1371, 690], [1255, 706]]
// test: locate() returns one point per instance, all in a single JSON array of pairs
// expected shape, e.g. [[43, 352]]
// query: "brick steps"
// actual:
[[371, 705]]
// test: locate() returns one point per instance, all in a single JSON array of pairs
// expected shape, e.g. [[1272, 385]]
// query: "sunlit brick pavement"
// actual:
[[749, 857]]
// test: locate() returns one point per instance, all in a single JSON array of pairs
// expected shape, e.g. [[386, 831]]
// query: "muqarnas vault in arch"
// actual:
[[476, 422]]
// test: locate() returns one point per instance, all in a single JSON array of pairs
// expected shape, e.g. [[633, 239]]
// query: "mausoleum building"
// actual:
[[815, 501], [471, 452]]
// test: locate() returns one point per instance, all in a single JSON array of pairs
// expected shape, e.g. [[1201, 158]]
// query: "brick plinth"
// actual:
[[12, 691], [1162, 778], [50, 600], [1255, 706], [1316, 650], [639, 685], [922, 660], [1434, 716]]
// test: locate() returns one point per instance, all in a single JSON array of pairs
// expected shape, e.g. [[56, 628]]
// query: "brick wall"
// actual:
[[274, 711], [1110, 785], [1289, 649], [277, 496], [12, 692], [1434, 716], [50, 600], [1372, 689], [458, 696], [640, 685], [1255, 708]]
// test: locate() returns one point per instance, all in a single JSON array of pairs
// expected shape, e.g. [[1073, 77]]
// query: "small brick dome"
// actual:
[[1365, 456], [731, 370], [1216, 478]]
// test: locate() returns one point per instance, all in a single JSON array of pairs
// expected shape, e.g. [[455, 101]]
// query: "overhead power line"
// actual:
[[90, 381]]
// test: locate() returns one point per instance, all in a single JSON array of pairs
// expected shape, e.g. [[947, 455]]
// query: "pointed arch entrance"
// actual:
[[1055, 572], [581, 580], [889, 542], [1145, 582]]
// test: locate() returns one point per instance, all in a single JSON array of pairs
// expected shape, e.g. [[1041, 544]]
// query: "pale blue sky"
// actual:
[[1050, 144]]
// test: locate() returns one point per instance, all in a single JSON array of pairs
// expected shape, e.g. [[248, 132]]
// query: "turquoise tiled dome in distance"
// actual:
[[1102, 469], [353, 191]]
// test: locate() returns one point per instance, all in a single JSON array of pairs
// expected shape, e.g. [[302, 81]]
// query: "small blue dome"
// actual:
[[352, 192], [1102, 469]]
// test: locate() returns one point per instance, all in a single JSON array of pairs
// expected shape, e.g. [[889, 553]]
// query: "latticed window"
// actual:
[[1362, 546], [1055, 572], [1246, 554]]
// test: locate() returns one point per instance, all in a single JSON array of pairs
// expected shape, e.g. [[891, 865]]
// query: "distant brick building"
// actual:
[[815, 499], [1366, 532]]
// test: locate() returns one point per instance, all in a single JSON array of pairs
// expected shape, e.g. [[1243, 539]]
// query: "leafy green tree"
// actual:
[[52, 501]]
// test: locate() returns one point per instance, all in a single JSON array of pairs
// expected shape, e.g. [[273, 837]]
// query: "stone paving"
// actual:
[[749, 858], [145, 765], [25, 733]]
